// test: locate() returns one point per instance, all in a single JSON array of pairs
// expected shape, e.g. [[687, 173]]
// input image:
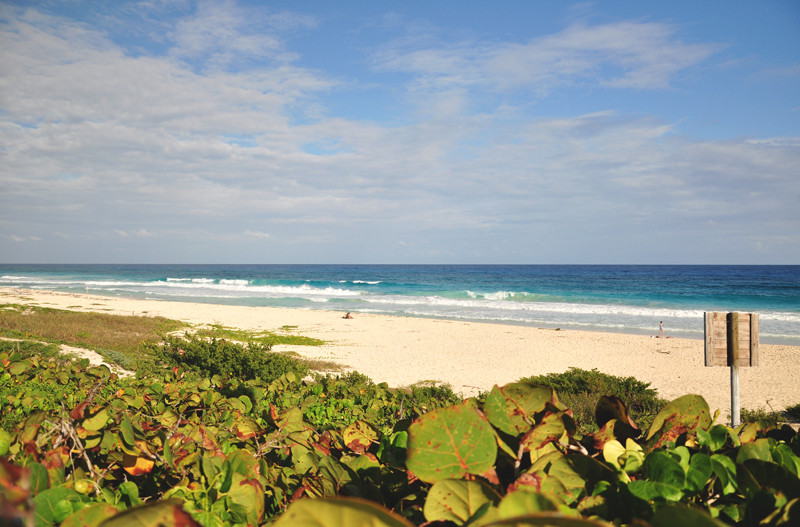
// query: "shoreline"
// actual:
[[473, 356]]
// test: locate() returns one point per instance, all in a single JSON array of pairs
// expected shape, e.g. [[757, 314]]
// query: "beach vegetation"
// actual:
[[793, 411], [81, 446], [763, 416], [97, 331], [581, 390], [224, 358], [265, 338]]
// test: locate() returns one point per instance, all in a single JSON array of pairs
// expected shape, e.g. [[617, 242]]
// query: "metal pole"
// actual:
[[735, 404], [733, 362]]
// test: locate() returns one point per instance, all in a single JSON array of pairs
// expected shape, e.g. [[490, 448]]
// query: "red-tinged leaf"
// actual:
[[491, 476], [297, 494], [273, 413], [165, 513], [79, 411], [525, 482], [449, 443], [325, 439], [614, 430], [322, 449], [683, 415], [10, 473], [53, 460], [147, 427], [549, 429], [359, 435], [31, 448], [246, 429], [208, 443], [611, 407]]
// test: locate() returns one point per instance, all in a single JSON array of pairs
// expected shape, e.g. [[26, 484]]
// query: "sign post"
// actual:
[[732, 340]]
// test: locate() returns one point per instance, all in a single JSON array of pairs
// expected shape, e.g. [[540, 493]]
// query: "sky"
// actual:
[[415, 132]]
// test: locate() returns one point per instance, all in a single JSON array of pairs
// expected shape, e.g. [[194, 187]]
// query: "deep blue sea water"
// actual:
[[625, 298]]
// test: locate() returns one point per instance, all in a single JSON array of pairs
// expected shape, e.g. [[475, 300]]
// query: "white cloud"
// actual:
[[625, 55], [15, 238], [177, 156], [257, 234]]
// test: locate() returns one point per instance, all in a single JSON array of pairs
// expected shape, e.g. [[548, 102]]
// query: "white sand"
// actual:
[[474, 356]]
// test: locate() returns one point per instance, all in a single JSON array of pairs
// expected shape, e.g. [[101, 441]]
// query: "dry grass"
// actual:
[[322, 365], [93, 330]]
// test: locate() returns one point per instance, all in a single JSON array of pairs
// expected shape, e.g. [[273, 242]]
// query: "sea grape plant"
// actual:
[[179, 449]]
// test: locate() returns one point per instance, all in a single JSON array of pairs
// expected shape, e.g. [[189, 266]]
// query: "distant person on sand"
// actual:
[[660, 329], [347, 315]]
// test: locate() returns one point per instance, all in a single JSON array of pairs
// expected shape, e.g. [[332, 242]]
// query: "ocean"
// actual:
[[620, 298]]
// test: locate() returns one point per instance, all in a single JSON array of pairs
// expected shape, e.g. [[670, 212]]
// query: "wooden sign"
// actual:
[[731, 339]]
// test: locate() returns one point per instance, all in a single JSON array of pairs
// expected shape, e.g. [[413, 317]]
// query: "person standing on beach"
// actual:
[[661, 329]]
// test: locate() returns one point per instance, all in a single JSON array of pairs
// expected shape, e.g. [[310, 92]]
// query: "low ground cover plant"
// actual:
[[225, 358], [581, 390], [178, 447]]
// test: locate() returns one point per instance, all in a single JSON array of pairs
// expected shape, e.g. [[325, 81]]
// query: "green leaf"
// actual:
[[511, 408], [725, 469], [665, 478], [49, 509], [131, 492], [97, 421], [18, 368], [164, 513], [714, 438], [5, 442], [672, 515], [772, 475], [652, 490], [339, 512], [523, 503], [40, 480], [546, 519], [248, 405], [126, 428], [758, 449], [699, 472], [449, 443], [91, 515], [61, 510], [783, 455], [248, 493], [457, 500]]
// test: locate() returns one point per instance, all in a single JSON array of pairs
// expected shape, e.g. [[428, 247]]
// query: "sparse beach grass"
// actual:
[[99, 331], [265, 338]]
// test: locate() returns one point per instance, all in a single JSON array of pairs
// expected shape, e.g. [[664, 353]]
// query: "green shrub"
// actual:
[[228, 359], [28, 348], [581, 389], [765, 419], [793, 411]]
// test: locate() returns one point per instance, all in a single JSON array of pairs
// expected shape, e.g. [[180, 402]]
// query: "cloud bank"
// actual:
[[221, 149]]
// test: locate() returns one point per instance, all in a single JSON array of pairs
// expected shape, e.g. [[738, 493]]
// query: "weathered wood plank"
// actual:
[[754, 329], [709, 339]]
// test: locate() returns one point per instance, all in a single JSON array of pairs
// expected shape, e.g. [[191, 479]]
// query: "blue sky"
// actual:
[[400, 132]]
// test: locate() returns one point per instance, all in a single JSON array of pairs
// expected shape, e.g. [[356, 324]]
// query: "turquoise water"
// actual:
[[623, 298]]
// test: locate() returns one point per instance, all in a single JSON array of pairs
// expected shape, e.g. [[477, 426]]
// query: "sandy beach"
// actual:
[[472, 356]]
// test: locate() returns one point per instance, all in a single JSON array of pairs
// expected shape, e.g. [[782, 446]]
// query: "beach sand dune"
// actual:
[[472, 356]]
